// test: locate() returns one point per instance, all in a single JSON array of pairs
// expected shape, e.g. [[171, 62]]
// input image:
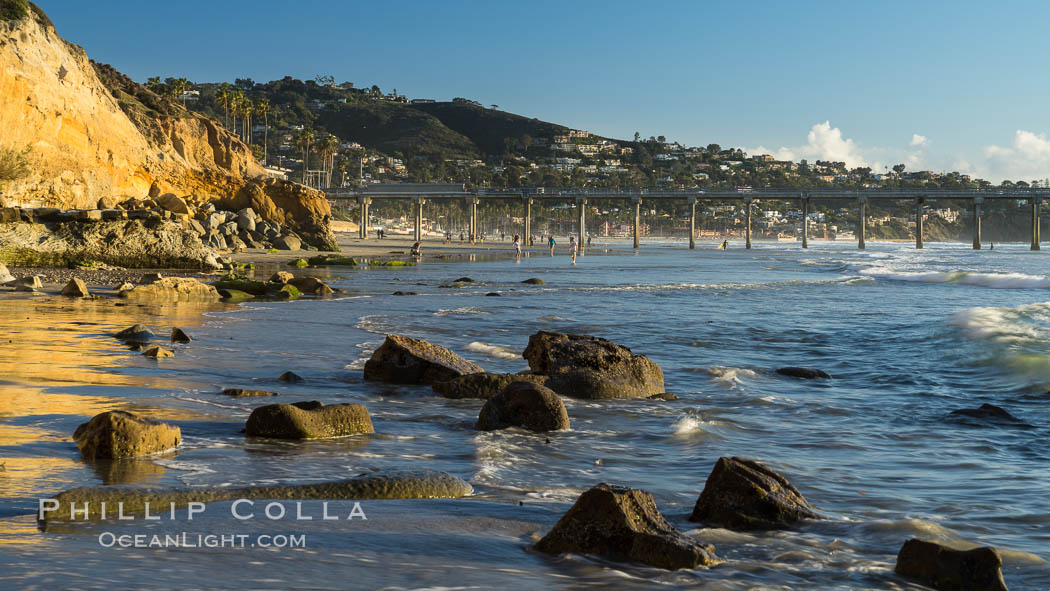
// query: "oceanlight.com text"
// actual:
[[188, 540]]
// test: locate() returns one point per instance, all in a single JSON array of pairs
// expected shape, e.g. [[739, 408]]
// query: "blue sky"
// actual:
[[935, 85]]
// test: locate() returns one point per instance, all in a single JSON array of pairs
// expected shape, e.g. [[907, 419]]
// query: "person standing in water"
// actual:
[[572, 248], [517, 246], [725, 245], [550, 243]]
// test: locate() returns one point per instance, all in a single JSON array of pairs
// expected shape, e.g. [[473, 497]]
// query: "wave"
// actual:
[[993, 280], [494, 351], [464, 311], [730, 375], [1030, 322]]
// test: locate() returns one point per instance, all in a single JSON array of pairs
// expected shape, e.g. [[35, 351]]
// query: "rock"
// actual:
[[216, 241], [389, 485], [126, 286], [743, 494], [987, 412], [241, 392], [404, 360], [138, 333], [483, 385], [311, 285], [228, 230], [299, 264], [171, 289], [527, 405], [283, 277], [148, 278], [173, 203], [287, 242], [463, 280], [290, 377], [664, 396], [179, 336], [623, 524], [32, 281], [157, 352], [493, 294], [119, 434], [76, 288], [591, 367], [196, 227], [234, 295], [308, 420], [236, 244], [535, 281], [803, 373], [108, 202], [154, 190], [245, 222], [404, 293], [25, 288], [5, 275], [943, 568], [287, 292]]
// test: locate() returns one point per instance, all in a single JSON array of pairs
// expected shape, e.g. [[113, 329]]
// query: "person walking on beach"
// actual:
[[572, 248], [550, 243], [725, 245]]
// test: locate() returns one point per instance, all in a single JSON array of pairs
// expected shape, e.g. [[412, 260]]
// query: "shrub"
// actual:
[[14, 164], [12, 10]]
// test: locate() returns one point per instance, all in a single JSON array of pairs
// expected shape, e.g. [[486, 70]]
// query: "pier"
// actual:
[[421, 193]]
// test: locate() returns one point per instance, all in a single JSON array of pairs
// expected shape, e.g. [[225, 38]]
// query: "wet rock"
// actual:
[[288, 242], [803, 373], [282, 277], [988, 413], [149, 278], [25, 288], [389, 485], [946, 569], [138, 333], [591, 367], [526, 405], [311, 285], [623, 524], [290, 377], [76, 288], [483, 385], [404, 360], [299, 264], [179, 336], [308, 420], [743, 494], [242, 393], [172, 289], [32, 282], [463, 280], [287, 292], [5, 274], [157, 352], [119, 434], [664, 396], [404, 293], [535, 281], [493, 294]]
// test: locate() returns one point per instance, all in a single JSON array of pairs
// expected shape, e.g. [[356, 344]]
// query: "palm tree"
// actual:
[[247, 108], [262, 107], [304, 141], [180, 86], [327, 146], [223, 96]]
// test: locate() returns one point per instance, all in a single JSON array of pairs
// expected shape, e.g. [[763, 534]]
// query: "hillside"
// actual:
[[396, 127], [92, 134], [488, 128]]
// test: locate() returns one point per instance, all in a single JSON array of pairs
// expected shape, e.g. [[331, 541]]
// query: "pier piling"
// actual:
[[527, 220], [692, 223], [977, 222], [918, 222], [1036, 238], [581, 204], [747, 222], [805, 222], [637, 218], [417, 214], [362, 222], [862, 223]]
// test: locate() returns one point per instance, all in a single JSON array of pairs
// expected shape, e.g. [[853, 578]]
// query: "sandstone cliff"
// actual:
[[96, 134]]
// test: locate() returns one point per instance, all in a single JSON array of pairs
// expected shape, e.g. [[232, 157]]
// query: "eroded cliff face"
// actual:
[[95, 133]]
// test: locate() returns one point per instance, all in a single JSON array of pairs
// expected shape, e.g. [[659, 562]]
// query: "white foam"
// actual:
[[464, 311], [494, 351], [992, 280], [1005, 325], [687, 426], [730, 375]]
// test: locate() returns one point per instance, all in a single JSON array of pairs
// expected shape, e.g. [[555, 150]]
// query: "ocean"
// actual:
[[907, 335]]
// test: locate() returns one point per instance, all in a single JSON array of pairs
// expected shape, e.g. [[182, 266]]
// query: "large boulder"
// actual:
[[591, 367], [311, 285], [5, 274], [172, 289], [743, 494], [173, 203], [804, 373], [308, 420], [943, 568], [287, 242], [483, 385], [76, 288], [986, 413], [138, 333], [404, 360], [624, 524], [119, 434], [524, 404]]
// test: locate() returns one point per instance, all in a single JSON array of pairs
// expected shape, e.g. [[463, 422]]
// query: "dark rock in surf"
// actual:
[[308, 420], [987, 413], [803, 373], [179, 336], [590, 367], [138, 333], [405, 293], [493, 294], [483, 385], [535, 281], [666, 396], [526, 405], [624, 524], [404, 360], [743, 494], [242, 393], [290, 377], [463, 280], [946, 569]]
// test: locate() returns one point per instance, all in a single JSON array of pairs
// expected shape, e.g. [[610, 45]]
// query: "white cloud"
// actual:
[[824, 142], [918, 140], [1027, 158]]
